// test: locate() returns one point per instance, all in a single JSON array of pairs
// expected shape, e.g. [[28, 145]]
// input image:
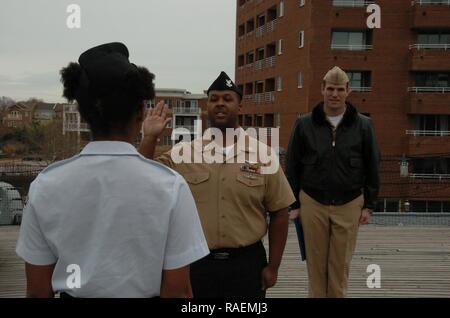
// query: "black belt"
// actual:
[[227, 253]]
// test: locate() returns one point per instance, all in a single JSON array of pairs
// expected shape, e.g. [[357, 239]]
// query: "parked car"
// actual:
[[11, 205]]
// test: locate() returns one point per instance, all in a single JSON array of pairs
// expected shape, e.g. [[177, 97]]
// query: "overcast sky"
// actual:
[[186, 43]]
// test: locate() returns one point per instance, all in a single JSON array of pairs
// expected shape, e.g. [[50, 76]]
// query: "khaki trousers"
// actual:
[[330, 239]]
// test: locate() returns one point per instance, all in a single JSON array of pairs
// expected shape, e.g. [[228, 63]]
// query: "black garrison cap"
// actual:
[[106, 65], [224, 83]]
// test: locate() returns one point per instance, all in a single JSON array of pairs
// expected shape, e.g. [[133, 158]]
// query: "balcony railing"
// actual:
[[349, 47], [259, 64], [71, 126], [429, 176], [269, 97], [191, 128], [260, 31], [259, 98], [187, 110], [270, 26], [249, 65], [429, 89], [351, 3], [248, 97], [270, 61], [432, 2], [431, 133], [361, 89], [430, 47]]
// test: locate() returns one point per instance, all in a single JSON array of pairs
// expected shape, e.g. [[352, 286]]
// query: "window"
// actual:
[[359, 79], [279, 84], [433, 37], [431, 165], [167, 141], [351, 40], [281, 9], [301, 40], [250, 25], [433, 122], [432, 79], [241, 30], [280, 46], [299, 80]]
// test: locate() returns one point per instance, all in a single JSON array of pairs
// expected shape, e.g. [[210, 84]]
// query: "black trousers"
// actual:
[[230, 273]]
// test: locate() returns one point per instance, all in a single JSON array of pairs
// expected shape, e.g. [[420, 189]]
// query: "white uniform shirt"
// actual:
[[118, 216]]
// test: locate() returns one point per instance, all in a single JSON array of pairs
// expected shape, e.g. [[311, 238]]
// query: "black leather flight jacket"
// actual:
[[334, 166]]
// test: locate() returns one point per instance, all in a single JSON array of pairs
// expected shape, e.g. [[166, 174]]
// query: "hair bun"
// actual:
[[139, 81], [70, 78]]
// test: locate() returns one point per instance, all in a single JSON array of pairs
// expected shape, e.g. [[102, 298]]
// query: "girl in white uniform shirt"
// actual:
[[108, 222]]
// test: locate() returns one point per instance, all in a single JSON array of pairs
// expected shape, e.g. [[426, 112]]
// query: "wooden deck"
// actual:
[[414, 261]]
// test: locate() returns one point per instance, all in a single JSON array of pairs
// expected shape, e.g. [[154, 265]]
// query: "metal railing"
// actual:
[[270, 26], [431, 133], [259, 64], [361, 89], [429, 176], [259, 98], [248, 97], [75, 127], [270, 61], [431, 2], [269, 97], [191, 128], [351, 3], [430, 47], [249, 65], [429, 89], [187, 110], [260, 31], [349, 47]]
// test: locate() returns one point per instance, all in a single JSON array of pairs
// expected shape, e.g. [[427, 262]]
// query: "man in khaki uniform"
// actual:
[[332, 166], [232, 198]]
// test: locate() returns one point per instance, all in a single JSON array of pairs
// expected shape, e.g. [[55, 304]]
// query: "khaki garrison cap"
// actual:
[[336, 76]]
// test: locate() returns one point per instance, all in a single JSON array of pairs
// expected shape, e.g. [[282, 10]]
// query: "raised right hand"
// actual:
[[156, 120]]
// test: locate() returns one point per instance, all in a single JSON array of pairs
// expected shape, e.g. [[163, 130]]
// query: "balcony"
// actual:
[[270, 26], [191, 128], [270, 61], [439, 177], [430, 14], [259, 31], [349, 47], [351, 3], [427, 142], [259, 65], [261, 98], [429, 100], [187, 110], [426, 57], [433, 133], [429, 89], [76, 127]]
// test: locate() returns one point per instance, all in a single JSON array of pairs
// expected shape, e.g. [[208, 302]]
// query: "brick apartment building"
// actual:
[[186, 108], [399, 75]]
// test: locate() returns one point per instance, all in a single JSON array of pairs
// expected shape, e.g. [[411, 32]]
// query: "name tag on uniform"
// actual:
[[251, 168]]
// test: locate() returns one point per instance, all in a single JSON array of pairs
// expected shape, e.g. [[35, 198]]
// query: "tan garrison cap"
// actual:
[[336, 76]]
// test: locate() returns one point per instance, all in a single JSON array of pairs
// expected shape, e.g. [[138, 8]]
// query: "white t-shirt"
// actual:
[[118, 216], [335, 120]]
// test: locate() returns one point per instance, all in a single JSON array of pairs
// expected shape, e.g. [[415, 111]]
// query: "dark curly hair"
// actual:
[[108, 109]]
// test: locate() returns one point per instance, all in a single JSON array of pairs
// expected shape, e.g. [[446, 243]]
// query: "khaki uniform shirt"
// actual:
[[232, 198]]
